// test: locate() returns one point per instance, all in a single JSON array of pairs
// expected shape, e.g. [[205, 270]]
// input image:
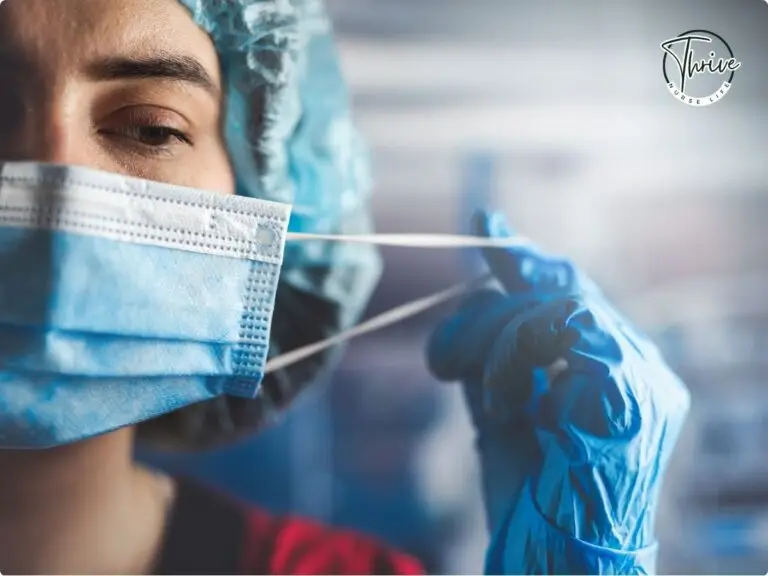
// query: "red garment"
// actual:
[[298, 546], [211, 534]]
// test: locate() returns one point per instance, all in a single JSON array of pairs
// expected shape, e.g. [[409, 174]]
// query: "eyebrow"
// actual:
[[174, 67]]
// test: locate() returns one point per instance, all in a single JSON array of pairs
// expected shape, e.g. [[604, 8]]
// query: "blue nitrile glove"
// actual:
[[576, 413]]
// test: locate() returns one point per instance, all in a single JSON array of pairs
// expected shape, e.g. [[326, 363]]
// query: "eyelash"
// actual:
[[158, 132]]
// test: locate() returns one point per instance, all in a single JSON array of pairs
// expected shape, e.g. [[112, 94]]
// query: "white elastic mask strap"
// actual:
[[383, 320], [403, 311], [416, 240]]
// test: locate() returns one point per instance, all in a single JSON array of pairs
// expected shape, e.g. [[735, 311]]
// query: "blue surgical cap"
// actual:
[[291, 138]]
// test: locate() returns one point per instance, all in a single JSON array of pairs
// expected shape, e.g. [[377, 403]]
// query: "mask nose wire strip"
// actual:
[[377, 322], [415, 240]]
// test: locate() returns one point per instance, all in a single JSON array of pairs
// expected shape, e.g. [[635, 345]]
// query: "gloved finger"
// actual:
[[522, 269], [524, 351], [596, 395], [619, 323], [456, 349]]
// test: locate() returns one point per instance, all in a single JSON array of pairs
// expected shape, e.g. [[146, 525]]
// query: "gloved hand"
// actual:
[[576, 414]]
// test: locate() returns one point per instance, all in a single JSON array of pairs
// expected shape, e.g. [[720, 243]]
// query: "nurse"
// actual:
[[183, 118]]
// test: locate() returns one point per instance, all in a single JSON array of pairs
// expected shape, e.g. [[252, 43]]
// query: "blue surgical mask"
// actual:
[[123, 299]]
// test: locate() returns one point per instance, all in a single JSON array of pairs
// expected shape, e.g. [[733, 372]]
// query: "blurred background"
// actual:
[[557, 113]]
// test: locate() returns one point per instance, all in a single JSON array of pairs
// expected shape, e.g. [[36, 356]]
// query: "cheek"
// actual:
[[204, 168], [213, 171]]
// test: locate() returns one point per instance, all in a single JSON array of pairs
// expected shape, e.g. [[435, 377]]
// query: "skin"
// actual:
[[87, 508]]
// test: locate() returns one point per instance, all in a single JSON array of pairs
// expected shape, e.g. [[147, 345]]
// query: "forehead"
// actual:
[[57, 35]]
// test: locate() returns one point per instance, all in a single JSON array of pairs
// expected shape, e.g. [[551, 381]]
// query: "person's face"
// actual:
[[126, 86]]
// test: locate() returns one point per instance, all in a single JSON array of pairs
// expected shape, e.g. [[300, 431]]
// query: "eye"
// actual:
[[147, 130], [155, 136]]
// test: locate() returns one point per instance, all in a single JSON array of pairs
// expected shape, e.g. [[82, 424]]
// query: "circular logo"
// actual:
[[698, 67]]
